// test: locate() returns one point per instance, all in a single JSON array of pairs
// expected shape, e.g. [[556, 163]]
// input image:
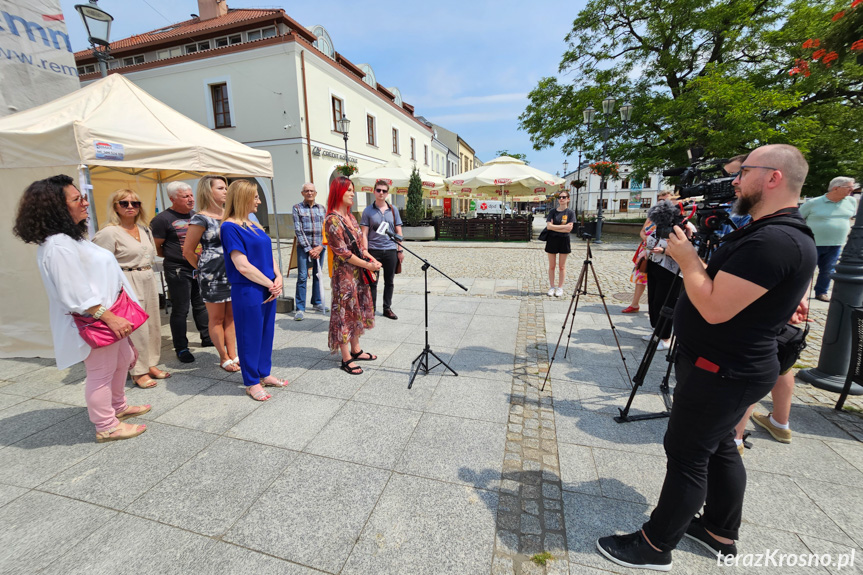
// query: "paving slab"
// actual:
[[212, 490], [214, 410], [312, 514], [472, 398], [423, 526], [9, 493], [32, 416]]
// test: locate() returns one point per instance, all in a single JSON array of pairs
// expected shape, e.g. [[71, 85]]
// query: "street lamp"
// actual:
[[343, 125], [589, 113], [98, 25]]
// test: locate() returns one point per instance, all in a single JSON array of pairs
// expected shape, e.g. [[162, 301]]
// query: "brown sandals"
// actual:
[[120, 432]]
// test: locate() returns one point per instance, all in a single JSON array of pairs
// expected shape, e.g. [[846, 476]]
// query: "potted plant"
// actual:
[[414, 212], [347, 170]]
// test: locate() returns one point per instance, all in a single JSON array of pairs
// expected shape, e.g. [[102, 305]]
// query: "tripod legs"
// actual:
[[422, 363]]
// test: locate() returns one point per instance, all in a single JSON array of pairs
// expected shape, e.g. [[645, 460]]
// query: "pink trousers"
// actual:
[[105, 388]]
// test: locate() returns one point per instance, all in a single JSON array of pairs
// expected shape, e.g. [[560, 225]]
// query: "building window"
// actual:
[[395, 141], [603, 185], [221, 109], [604, 204], [624, 185], [88, 69], [338, 112], [413, 149], [133, 60], [645, 203], [170, 53], [253, 35], [370, 128], [425, 154]]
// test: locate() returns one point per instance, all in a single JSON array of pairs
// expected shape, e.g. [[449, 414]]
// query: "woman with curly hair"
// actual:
[[82, 278], [352, 311], [128, 237], [256, 282], [210, 265]]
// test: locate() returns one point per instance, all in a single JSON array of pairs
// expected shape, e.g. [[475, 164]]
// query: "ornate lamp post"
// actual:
[[343, 125], [98, 25], [589, 116]]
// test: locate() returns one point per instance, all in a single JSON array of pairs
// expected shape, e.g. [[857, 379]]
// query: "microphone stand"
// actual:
[[422, 360]]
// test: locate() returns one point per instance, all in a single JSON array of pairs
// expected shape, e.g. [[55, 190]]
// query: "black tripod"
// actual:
[[422, 360], [581, 288]]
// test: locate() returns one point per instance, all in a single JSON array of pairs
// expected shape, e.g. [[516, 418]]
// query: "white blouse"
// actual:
[[77, 275]]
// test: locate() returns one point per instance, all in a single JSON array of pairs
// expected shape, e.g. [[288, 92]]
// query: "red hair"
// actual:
[[338, 187]]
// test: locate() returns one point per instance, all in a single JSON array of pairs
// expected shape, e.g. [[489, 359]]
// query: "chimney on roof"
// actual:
[[209, 9]]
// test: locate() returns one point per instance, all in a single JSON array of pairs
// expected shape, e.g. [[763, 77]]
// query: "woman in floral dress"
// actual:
[[352, 311]]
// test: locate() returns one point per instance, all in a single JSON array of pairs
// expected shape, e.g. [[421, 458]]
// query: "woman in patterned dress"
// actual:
[[210, 263], [352, 311], [128, 237]]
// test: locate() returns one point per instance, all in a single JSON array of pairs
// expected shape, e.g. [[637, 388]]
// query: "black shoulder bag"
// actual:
[[368, 277], [791, 341]]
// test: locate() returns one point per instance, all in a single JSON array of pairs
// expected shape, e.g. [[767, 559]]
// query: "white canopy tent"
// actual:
[[110, 134]]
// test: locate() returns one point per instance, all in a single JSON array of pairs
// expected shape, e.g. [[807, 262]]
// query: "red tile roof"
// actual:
[[197, 27]]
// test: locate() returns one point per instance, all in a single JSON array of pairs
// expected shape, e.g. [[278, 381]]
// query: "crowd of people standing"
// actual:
[[218, 262]]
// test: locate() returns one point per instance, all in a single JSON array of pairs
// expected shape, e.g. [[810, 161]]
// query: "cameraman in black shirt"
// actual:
[[726, 324]]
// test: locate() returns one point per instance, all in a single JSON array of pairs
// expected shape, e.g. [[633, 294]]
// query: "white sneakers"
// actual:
[[551, 292], [555, 292]]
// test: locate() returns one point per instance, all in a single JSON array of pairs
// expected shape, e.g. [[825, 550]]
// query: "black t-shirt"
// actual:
[[172, 226], [777, 257], [560, 217]]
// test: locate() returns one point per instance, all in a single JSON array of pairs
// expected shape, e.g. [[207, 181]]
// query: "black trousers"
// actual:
[[659, 283], [389, 259], [183, 290], [704, 466]]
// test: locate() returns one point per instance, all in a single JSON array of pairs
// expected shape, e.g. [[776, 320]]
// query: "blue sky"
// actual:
[[466, 65]]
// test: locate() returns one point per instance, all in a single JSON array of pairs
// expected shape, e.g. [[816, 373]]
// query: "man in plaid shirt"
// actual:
[[309, 226]]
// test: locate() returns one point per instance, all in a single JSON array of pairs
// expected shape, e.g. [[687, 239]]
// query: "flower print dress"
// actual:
[[351, 310], [212, 278]]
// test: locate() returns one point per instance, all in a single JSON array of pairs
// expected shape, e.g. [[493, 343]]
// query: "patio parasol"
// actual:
[[502, 177], [399, 177]]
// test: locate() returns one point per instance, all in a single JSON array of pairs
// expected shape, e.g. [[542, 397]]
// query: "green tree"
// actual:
[[414, 211], [710, 73], [516, 155]]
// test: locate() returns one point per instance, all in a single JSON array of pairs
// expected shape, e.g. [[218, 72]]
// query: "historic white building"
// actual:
[[623, 197], [261, 78]]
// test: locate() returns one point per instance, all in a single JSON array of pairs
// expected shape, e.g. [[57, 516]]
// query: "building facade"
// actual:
[[259, 77], [624, 197]]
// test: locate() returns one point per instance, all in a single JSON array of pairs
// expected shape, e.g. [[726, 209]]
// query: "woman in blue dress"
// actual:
[[210, 265], [256, 282]]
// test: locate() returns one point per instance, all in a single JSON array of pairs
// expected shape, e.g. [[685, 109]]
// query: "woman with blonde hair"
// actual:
[[210, 265], [255, 284], [128, 237]]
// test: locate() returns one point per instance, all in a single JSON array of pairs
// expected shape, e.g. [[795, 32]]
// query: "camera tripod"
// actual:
[[581, 289]]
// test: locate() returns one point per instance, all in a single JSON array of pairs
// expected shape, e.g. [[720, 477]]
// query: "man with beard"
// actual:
[[726, 322]]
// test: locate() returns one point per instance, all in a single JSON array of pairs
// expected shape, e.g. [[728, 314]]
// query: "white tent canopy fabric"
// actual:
[[399, 177], [116, 135], [504, 177]]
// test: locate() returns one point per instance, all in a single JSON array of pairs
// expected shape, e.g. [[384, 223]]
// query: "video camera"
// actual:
[[706, 178]]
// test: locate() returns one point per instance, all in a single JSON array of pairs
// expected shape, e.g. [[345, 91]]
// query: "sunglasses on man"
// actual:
[[381, 191]]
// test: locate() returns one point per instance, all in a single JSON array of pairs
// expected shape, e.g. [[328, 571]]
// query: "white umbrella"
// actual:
[[505, 176], [398, 178]]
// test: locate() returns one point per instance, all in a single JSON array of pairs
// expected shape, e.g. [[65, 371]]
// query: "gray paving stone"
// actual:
[[210, 492], [214, 410], [822, 547], [40, 456], [367, 434], [8, 400], [472, 398], [10, 368], [122, 471], [289, 420], [498, 308], [823, 464], [138, 545], [402, 357], [850, 451], [423, 526], [841, 503], [390, 388], [327, 379], [9, 493], [31, 416], [220, 558], [630, 476], [592, 429], [36, 382], [168, 394], [767, 492], [482, 362], [28, 545], [457, 450], [313, 513], [577, 469]]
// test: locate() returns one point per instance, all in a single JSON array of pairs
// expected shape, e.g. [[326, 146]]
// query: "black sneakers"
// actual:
[[185, 356], [699, 534], [633, 550]]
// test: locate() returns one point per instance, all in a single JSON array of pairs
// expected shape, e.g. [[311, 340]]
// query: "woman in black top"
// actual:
[[559, 225]]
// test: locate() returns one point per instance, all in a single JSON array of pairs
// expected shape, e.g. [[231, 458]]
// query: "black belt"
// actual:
[[137, 269]]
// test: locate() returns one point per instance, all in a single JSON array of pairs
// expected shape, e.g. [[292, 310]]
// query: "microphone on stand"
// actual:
[[384, 230]]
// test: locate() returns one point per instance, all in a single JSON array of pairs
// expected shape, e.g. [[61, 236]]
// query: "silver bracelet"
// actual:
[[102, 309]]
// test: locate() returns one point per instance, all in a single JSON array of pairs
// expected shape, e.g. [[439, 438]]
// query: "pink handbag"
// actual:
[[97, 333]]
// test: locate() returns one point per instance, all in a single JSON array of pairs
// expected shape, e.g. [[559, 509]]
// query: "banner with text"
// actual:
[[36, 60]]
